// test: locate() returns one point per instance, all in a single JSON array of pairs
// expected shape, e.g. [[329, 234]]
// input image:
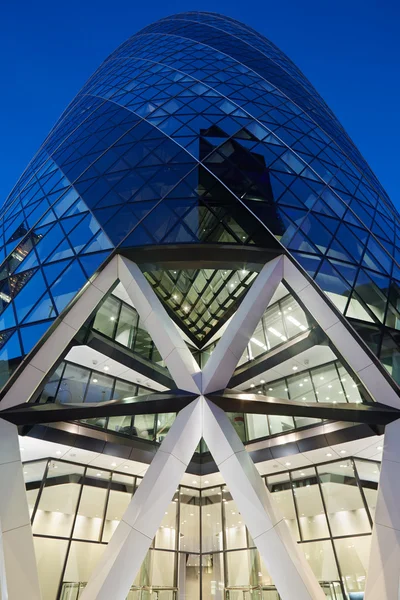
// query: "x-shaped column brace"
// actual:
[[125, 552]]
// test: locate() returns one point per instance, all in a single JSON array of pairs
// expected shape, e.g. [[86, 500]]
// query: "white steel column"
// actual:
[[287, 566], [19, 567], [383, 578], [230, 347], [127, 549], [130, 542], [164, 333]]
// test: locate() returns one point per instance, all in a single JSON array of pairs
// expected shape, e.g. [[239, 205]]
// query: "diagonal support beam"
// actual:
[[229, 349], [127, 549], [35, 368], [347, 343], [18, 569], [164, 333], [288, 568], [373, 413]]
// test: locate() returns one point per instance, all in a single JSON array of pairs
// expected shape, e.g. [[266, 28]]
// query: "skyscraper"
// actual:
[[199, 273]]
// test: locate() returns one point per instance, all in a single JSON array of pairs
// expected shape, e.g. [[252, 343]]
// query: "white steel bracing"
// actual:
[[128, 546]]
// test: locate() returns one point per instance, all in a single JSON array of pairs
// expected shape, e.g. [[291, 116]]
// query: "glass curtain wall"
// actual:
[[120, 322], [72, 383], [282, 321], [330, 382], [202, 549]]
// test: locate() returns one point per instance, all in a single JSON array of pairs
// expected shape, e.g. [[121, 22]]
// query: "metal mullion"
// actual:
[[178, 537], [330, 532], [116, 323], [360, 487], [340, 380], [268, 345], [201, 542], [295, 505], [41, 486], [105, 507], [313, 385], [134, 337], [60, 379], [58, 597], [224, 544], [283, 319]]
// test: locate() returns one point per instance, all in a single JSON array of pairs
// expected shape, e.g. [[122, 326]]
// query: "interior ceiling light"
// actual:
[[258, 343], [279, 335], [296, 322]]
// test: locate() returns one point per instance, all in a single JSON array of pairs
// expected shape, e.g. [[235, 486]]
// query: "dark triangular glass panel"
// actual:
[[200, 300], [91, 262], [31, 334], [52, 271]]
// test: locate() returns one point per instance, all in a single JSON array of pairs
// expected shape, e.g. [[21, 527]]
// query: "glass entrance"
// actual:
[[73, 591]]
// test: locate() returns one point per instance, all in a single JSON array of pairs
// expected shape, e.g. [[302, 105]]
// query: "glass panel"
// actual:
[[89, 520], [50, 557], [368, 474], [244, 569], [281, 488], [321, 559], [122, 488], [257, 343], [106, 316], [120, 424], [343, 501], [238, 422], [301, 388], [33, 475], [164, 422], [162, 568], [166, 535], [124, 390], [73, 384], [59, 498], [235, 529], [50, 389], [257, 426], [310, 509], [277, 389], [143, 426], [294, 317], [189, 576], [350, 387], [212, 568], [280, 424], [274, 328], [127, 327], [211, 516], [99, 388], [353, 556], [327, 384], [82, 559], [189, 538]]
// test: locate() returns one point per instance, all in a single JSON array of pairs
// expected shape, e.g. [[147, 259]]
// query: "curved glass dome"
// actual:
[[197, 131]]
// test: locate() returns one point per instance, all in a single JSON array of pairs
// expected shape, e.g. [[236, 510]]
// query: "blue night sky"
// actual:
[[349, 49]]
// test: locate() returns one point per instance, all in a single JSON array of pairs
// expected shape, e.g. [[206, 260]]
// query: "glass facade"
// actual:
[[72, 384], [329, 383], [120, 322], [197, 130], [202, 543]]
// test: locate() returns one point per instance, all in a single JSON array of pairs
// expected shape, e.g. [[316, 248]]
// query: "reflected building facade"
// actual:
[[196, 170]]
